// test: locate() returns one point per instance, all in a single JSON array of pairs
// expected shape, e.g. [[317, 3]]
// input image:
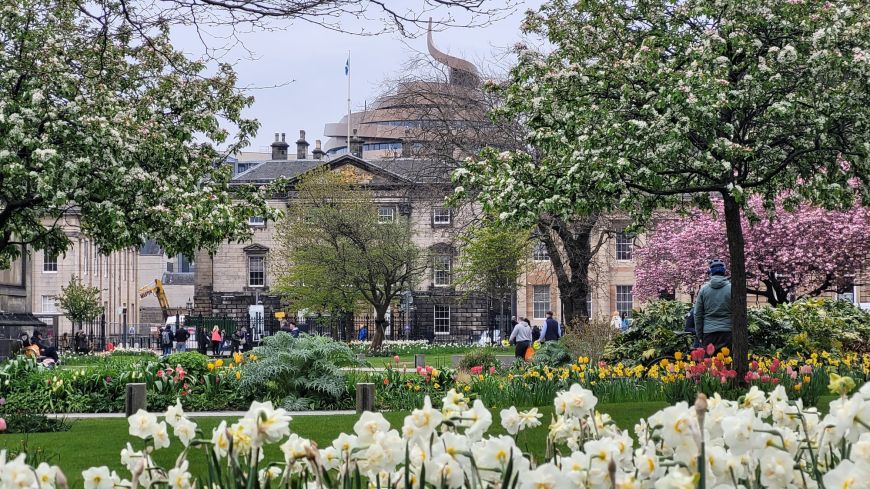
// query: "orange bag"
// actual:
[[529, 353]]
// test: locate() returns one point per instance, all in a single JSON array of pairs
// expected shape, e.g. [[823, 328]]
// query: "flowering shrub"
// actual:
[[759, 440]]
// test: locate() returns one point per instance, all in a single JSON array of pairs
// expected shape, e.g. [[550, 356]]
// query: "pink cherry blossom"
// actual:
[[796, 253]]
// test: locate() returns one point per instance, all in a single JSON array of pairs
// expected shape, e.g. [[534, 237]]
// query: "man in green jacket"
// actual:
[[713, 309]]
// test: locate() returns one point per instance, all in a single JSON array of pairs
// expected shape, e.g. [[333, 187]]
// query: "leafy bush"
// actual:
[[298, 373], [798, 328], [194, 363], [25, 422], [652, 333], [479, 358], [810, 325], [552, 354]]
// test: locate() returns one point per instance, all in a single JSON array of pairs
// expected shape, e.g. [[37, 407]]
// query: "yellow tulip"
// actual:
[[238, 374], [210, 366], [219, 363]]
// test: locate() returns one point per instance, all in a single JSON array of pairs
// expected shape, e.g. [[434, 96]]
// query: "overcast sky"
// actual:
[[299, 76]]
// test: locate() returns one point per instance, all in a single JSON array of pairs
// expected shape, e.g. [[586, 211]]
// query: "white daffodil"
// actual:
[[444, 471], [270, 474], [576, 468], [185, 431], [161, 435], [453, 404], [271, 425], [860, 453], [330, 458], [130, 458], [174, 413], [421, 423], [142, 424], [244, 435], [476, 420], [46, 475], [754, 399], [676, 479], [777, 468], [368, 425], [738, 431], [545, 476], [530, 419], [295, 448], [345, 444], [98, 477], [847, 475], [647, 462], [220, 441], [16, 474], [454, 444], [179, 477], [576, 401], [510, 420], [677, 423]]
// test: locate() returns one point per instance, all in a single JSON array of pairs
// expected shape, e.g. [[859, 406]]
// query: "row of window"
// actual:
[[541, 300], [441, 216], [341, 150], [624, 248]]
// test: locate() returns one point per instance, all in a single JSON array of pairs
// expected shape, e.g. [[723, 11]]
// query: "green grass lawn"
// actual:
[[95, 442]]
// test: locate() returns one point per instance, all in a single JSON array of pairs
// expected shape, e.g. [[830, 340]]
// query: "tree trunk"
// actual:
[[574, 303], [572, 271], [380, 329], [736, 245]]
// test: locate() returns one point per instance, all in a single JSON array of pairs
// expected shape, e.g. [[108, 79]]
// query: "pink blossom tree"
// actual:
[[792, 255]]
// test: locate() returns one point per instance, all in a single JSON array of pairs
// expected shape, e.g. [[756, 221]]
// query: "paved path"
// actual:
[[217, 414]]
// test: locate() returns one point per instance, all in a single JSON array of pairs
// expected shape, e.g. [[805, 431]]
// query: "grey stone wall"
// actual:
[[469, 315]]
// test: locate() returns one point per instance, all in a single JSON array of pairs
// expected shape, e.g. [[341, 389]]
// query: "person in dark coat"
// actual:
[[551, 330]]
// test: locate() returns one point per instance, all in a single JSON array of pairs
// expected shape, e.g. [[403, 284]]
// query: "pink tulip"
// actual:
[[2, 425]]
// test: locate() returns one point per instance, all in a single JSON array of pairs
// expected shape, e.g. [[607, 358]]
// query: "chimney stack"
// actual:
[[301, 147], [356, 146], [279, 148], [317, 153]]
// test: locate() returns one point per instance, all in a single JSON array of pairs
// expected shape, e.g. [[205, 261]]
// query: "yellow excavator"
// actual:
[[157, 290]]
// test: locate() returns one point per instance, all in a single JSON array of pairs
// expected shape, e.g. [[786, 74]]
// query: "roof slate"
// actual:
[[413, 170]]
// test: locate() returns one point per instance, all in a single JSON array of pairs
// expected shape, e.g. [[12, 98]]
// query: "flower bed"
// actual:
[[667, 380], [759, 440]]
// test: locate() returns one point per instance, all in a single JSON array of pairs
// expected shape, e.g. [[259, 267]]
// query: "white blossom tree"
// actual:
[[117, 128], [662, 103]]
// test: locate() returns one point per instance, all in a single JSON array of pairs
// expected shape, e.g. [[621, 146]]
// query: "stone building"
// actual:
[[118, 276], [15, 302], [115, 275], [239, 276]]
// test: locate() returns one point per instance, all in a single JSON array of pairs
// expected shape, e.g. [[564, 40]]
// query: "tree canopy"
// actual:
[[493, 257], [788, 256], [334, 250], [120, 130], [661, 103], [80, 302]]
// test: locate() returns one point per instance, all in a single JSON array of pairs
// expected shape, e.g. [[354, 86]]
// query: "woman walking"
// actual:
[[522, 337], [216, 341]]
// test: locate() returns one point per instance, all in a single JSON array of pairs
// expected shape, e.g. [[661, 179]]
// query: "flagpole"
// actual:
[[348, 101]]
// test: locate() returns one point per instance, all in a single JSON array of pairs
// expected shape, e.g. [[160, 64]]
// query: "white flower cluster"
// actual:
[[762, 440]]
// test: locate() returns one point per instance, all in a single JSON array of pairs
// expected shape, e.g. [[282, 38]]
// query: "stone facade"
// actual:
[[223, 282], [115, 275]]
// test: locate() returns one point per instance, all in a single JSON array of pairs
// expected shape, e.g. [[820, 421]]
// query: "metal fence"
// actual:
[[234, 335]]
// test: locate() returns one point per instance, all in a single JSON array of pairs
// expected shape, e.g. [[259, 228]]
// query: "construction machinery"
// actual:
[[160, 293]]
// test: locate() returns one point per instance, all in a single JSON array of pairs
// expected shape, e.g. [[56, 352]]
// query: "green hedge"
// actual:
[[798, 328]]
